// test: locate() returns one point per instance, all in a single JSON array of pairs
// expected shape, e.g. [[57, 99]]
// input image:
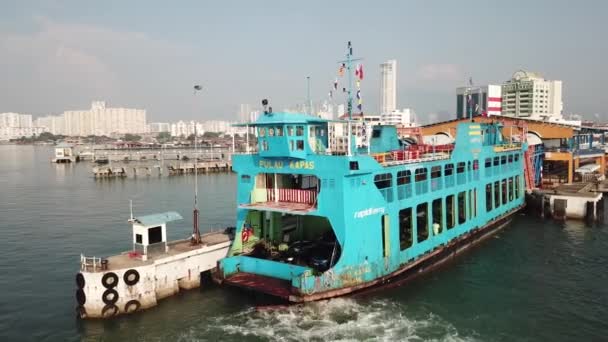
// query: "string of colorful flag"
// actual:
[[359, 78]]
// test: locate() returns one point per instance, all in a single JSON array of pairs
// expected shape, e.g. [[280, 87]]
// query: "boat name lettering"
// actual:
[[369, 211], [278, 164]]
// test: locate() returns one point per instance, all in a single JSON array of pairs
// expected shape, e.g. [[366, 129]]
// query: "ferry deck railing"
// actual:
[[292, 196]]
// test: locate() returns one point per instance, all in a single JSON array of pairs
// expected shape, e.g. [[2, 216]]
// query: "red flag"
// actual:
[[359, 71]]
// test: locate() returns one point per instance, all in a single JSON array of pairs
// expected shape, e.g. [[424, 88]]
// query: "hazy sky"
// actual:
[[60, 55]]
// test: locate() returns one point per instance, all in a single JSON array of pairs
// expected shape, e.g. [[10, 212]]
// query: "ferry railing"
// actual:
[[93, 264], [292, 196]]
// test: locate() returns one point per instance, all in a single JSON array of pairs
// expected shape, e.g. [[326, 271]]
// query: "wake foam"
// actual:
[[334, 320]]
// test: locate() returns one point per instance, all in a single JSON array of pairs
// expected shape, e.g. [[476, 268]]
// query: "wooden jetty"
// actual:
[[204, 166]]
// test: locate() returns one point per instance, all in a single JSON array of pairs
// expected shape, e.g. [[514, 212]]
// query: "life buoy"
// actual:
[[109, 280], [131, 277], [132, 306], [109, 310], [246, 233], [81, 297], [80, 280], [110, 296], [81, 312]]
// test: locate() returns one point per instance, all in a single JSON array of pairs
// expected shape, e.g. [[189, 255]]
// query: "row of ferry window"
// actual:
[[405, 177], [294, 145], [384, 181], [455, 213], [299, 130], [511, 158], [502, 192], [278, 131]]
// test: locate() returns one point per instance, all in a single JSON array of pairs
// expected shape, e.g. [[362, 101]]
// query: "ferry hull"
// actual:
[[283, 290]]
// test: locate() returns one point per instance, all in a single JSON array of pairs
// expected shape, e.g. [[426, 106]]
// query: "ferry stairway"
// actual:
[[529, 170]]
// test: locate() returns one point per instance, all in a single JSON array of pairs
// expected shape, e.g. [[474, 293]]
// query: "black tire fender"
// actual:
[[109, 310], [80, 280], [132, 306], [81, 297], [109, 280], [131, 277], [110, 296]]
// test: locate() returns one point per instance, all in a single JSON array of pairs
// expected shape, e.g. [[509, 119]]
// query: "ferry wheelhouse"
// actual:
[[327, 208]]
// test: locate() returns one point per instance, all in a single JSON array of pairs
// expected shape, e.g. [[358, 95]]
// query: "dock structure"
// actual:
[[64, 153], [154, 269], [555, 150], [204, 167], [109, 172]]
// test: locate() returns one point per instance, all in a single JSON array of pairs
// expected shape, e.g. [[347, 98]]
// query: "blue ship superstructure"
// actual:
[[326, 208]]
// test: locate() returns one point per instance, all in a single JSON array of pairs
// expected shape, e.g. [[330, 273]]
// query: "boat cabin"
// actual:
[[64, 153], [150, 233]]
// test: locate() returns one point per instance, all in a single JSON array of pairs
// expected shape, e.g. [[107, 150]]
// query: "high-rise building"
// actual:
[[528, 94], [15, 125], [159, 127], [244, 113], [101, 120], [401, 118], [388, 86], [478, 100]]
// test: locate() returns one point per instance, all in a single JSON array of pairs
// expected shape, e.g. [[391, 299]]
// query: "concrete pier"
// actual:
[[153, 270]]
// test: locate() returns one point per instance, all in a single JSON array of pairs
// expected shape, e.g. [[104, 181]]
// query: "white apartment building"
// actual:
[[15, 125], [402, 118], [101, 120], [485, 100], [528, 94], [54, 124], [159, 127], [388, 86]]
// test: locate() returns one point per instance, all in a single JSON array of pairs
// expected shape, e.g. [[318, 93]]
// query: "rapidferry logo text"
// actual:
[[367, 212]]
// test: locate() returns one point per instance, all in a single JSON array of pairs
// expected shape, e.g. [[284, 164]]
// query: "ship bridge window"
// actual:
[[460, 167], [271, 132], [405, 228], [279, 131], [422, 221], [504, 191], [503, 160], [354, 165], [404, 189], [516, 158], [420, 176], [496, 161], [262, 131], [404, 177], [290, 130], [299, 131], [449, 175], [510, 159], [300, 145], [376, 133], [488, 163], [510, 189]]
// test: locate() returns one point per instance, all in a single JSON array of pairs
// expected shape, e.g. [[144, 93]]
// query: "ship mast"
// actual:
[[196, 234], [349, 104]]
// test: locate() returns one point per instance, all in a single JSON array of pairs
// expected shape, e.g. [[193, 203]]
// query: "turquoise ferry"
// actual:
[[331, 207]]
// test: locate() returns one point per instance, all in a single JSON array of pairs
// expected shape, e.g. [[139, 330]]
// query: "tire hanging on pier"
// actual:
[[132, 306], [109, 280], [80, 280], [110, 296], [81, 297], [131, 277], [109, 310]]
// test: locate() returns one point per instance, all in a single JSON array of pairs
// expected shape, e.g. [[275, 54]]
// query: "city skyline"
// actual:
[[64, 55]]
